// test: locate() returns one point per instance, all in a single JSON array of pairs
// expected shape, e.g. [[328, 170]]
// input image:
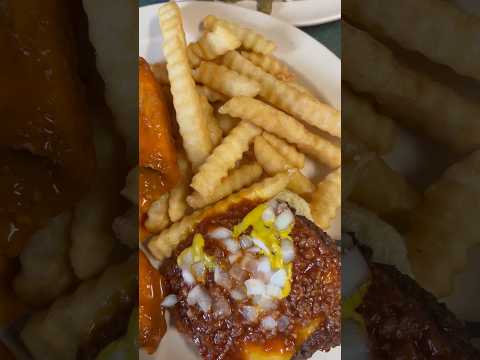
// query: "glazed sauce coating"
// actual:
[[151, 319], [315, 295]]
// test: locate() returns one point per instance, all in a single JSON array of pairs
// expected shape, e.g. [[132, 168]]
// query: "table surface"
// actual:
[[328, 34]]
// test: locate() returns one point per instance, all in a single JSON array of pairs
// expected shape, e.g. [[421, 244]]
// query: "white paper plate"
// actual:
[[316, 66]]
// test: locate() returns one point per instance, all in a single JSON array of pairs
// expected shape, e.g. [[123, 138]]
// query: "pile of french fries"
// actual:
[[245, 125], [384, 90]]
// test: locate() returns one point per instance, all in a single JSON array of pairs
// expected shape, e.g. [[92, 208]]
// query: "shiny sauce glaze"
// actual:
[[314, 297]]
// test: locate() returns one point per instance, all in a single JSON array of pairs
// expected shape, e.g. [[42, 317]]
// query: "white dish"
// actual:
[[316, 67]]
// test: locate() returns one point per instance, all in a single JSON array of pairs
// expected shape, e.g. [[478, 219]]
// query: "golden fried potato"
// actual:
[[270, 64], [446, 226], [157, 215], [222, 79], [191, 120], [287, 98], [250, 39], [284, 126], [215, 42], [177, 201], [224, 158], [211, 94], [213, 128], [326, 199], [289, 152]]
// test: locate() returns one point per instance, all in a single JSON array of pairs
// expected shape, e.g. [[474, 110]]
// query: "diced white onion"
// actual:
[[220, 233], [237, 273], [249, 263], [273, 291], [221, 278], [234, 257], [279, 278], [264, 265], [288, 250], [221, 307], [261, 245], [269, 323], [231, 245], [188, 277], [284, 220], [273, 204], [198, 270], [268, 215], [188, 258], [355, 271], [200, 297], [238, 294], [170, 301], [253, 250], [283, 323], [255, 287], [266, 303], [246, 242], [249, 313]]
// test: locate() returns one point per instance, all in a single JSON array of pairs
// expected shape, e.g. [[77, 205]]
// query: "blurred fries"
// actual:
[[237, 179], [411, 96], [225, 81], [285, 97], [224, 157], [411, 25], [289, 152], [360, 118], [191, 120], [211, 94], [326, 199], [250, 39], [270, 64], [284, 126], [177, 204]]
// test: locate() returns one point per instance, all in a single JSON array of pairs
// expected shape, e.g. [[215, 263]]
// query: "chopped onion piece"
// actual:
[[288, 250], [249, 313], [238, 294], [237, 273], [284, 220], [261, 245], [283, 323], [187, 258], [170, 301], [266, 303], [200, 297], [254, 250], [249, 263], [234, 257], [198, 270], [188, 277], [273, 204], [269, 323], [231, 245], [220, 233], [274, 291], [279, 278], [268, 215], [246, 242], [221, 307], [255, 287], [264, 265], [221, 278]]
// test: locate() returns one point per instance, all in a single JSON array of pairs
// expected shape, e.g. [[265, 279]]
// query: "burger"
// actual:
[[258, 280]]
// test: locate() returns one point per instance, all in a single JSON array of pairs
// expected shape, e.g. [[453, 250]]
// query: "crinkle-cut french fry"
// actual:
[[378, 187], [227, 123], [191, 120], [270, 64], [411, 96], [360, 118], [446, 226], [225, 81], [162, 245], [224, 157], [177, 201], [250, 39], [301, 88], [157, 215], [274, 163], [212, 122], [237, 179], [287, 98], [160, 72], [289, 152], [326, 199], [284, 126], [211, 94], [215, 43], [425, 26], [192, 54]]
